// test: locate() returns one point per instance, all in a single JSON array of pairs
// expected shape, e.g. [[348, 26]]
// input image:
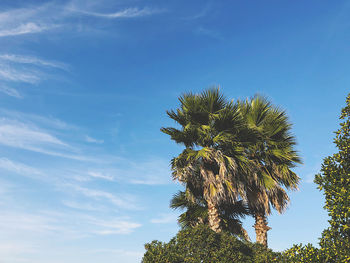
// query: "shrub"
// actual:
[[334, 180], [300, 253], [200, 244]]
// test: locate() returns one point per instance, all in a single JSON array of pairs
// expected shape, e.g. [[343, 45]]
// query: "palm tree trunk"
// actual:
[[245, 235], [213, 217], [261, 229]]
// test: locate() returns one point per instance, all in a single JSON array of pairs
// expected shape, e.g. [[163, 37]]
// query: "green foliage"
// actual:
[[334, 180], [300, 253], [200, 244]]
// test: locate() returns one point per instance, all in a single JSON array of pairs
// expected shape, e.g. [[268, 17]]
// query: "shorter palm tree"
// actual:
[[274, 157]]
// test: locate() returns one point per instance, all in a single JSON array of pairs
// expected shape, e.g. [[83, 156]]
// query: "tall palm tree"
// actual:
[[274, 156], [214, 135]]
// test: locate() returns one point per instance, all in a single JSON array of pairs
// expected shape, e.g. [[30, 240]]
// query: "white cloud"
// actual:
[[20, 135], [17, 167], [62, 226], [37, 133], [32, 236], [33, 60], [164, 219], [19, 14], [154, 171], [28, 28], [125, 202], [310, 172], [126, 13], [22, 21], [29, 137], [82, 206], [18, 75], [116, 226], [101, 176], [24, 69], [10, 91], [93, 140], [209, 33], [201, 13], [14, 222], [151, 172], [46, 121], [48, 16]]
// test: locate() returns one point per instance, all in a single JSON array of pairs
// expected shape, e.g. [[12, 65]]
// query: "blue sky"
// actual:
[[84, 86]]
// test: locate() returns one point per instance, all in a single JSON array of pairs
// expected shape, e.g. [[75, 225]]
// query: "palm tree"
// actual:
[[197, 213], [274, 157], [214, 135]]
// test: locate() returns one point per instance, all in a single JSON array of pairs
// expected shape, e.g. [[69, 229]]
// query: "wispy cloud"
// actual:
[[35, 119], [24, 70], [30, 20], [164, 219], [20, 135], [34, 19], [148, 172], [18, 168], [117, 226], [37, 133], [126, 13], [28, 28], [55, 223], [51, 136], [33, 61], [99, 175], [209, 33], [93, 140], [125, 201], [310, 172], [8, 73], [29, 137], [154, 171], [20, 14], [82, 206], [19, 221], [50, 16], [10, 91], [201, 13], [25, 235]]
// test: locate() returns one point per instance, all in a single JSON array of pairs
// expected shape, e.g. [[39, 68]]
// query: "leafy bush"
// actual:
[[200, 244], [300, 253], [334, 180]]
